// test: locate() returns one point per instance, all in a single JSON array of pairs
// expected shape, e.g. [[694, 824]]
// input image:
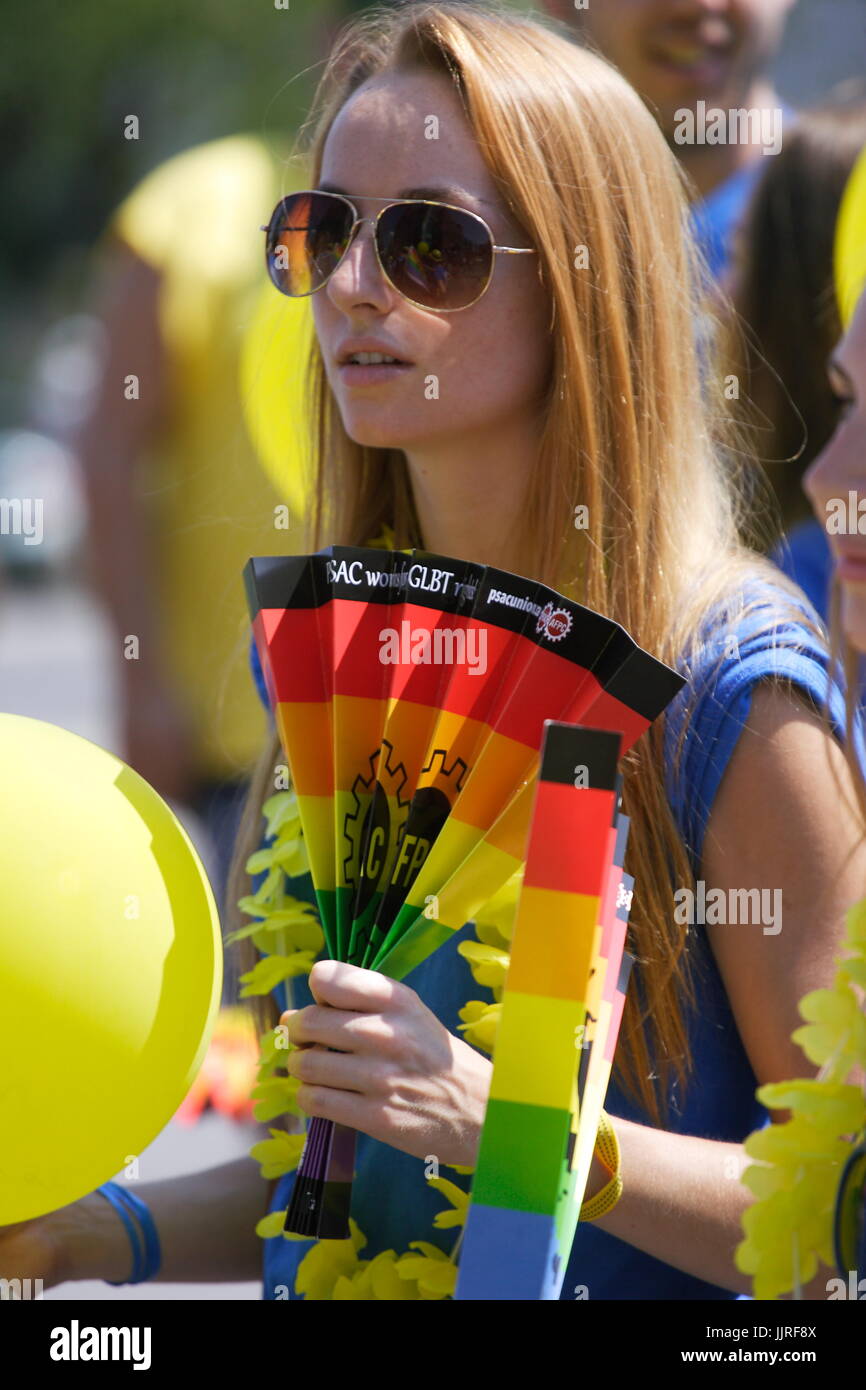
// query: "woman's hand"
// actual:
[[396, 1073]]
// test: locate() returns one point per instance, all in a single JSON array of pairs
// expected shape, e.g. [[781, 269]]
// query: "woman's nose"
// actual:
[[358, 278]]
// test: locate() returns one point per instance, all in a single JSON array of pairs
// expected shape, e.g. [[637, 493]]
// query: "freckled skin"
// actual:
[[491, 359], [842, 467]]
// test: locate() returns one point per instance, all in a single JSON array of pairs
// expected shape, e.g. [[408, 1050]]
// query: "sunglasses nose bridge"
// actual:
[[353, 239]]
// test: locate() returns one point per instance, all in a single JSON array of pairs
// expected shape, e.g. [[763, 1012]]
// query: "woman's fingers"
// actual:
[[354, 1009], [350, 987], [319, 1025], [341, 1071], [343, 1107]]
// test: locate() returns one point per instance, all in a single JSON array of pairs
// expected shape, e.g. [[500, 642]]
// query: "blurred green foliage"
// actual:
[[190, 70], [71, 72]]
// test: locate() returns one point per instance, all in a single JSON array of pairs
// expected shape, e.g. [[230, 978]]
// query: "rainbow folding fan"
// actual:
[[410, 693], [558, 1025]]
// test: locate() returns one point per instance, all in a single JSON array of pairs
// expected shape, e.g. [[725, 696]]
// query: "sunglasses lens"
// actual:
[[438, 257], [307, 236]]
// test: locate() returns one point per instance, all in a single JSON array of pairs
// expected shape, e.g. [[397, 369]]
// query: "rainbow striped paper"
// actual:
[[560, 1016]]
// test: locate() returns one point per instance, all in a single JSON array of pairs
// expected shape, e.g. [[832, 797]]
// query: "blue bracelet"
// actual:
[[145, 1263]]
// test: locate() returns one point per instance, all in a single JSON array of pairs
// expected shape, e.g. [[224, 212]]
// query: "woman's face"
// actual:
[[836, 482], [475, 373]]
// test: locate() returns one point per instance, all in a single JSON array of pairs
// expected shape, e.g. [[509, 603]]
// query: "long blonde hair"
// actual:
[[627, 429]]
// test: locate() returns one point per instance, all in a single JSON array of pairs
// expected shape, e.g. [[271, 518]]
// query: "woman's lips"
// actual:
[[372, 374]]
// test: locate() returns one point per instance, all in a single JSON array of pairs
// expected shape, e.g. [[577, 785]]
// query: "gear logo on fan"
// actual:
[[375, 824], [431, 807], [555, 623]]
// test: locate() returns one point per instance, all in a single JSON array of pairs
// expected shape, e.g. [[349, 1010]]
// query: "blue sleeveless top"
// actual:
[[392, 1203]]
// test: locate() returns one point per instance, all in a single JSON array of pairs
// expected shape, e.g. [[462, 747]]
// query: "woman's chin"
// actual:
[[373, 431], [854, 614], [373, 436]]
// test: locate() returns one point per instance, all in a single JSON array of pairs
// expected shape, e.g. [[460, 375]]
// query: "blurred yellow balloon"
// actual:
[[850, 248], [274, 363], [110, 966]]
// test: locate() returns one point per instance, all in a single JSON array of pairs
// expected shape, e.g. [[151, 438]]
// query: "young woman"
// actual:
[[565, 377], [572, 379]]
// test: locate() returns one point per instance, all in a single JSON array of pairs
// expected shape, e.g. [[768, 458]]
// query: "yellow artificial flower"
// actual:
[[276, 1096], [266, 974], [283, 817], [377, 1281], [384, 540], [489, 964], [789, 1227], [480, 1022], [272, 1225], [855, 927], [494, 924], [278, 1155], [434, 1273], [835, 1031], [833, 1107], [274, 1048], [296, 919], [459, 1203], [326, 1261]]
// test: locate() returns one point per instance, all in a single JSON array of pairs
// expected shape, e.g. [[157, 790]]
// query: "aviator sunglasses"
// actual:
[[436, 256]]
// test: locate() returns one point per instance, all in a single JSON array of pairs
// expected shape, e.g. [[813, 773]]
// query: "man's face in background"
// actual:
[[677, 52]]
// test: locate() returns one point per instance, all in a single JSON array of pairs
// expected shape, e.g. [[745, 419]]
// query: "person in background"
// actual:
[[676, 53], [178, 499], [838, 475], [787, 324]]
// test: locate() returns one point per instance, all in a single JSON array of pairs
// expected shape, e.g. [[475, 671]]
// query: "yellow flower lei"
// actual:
[[790, 1227], [288, 930]]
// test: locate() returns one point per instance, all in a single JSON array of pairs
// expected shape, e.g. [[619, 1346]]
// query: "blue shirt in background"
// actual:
[[804, 555], [716, 217], [392, 1202]]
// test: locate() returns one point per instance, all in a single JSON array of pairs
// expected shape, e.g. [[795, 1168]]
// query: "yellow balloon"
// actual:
[[274, 390], [850, 247], [110, 966]]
